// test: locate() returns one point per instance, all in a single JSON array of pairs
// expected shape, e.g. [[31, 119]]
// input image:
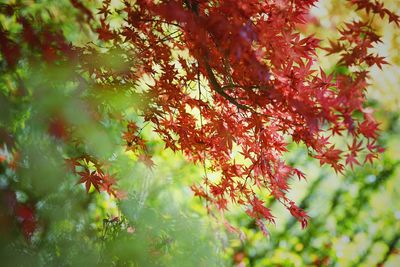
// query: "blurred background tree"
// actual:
[[149, 217], [51, 119]]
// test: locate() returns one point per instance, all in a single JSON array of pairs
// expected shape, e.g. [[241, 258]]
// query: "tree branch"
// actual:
[[247, 88], [217, 88]]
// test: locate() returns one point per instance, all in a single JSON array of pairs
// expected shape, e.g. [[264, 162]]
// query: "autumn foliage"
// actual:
[[217, 78]]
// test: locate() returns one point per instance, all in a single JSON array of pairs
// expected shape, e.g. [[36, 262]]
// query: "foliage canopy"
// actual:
[[230, 84]]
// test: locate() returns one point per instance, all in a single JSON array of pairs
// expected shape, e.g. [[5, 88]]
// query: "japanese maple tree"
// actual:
[[213, 77]]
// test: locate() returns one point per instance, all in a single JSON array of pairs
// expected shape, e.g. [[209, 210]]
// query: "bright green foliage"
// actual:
[[149, 217], [153, 224]]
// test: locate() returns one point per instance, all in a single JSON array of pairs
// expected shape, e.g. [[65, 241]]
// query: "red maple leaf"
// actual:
[[351, 160], [146, 159], [89, 179], [246, 82]]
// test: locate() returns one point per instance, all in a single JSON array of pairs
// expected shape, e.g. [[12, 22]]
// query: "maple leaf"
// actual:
[[372, 146], [299, 174], [25, 213], [57, 128], [216, 190], [299, 214], [335, 47], [369, 129], [355, 147], [199, 192], [373, 59], [3, 158], [146, 159], [105, 32], [263, 228], [108, 181], [26, 216], [255, 87], [9, 49], [370, 158], [89, 179], [221, 203], [260, 211], [351, 160], [330, 156]]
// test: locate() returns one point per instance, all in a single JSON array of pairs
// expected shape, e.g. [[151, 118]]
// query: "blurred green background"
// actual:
[[355, 217]]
